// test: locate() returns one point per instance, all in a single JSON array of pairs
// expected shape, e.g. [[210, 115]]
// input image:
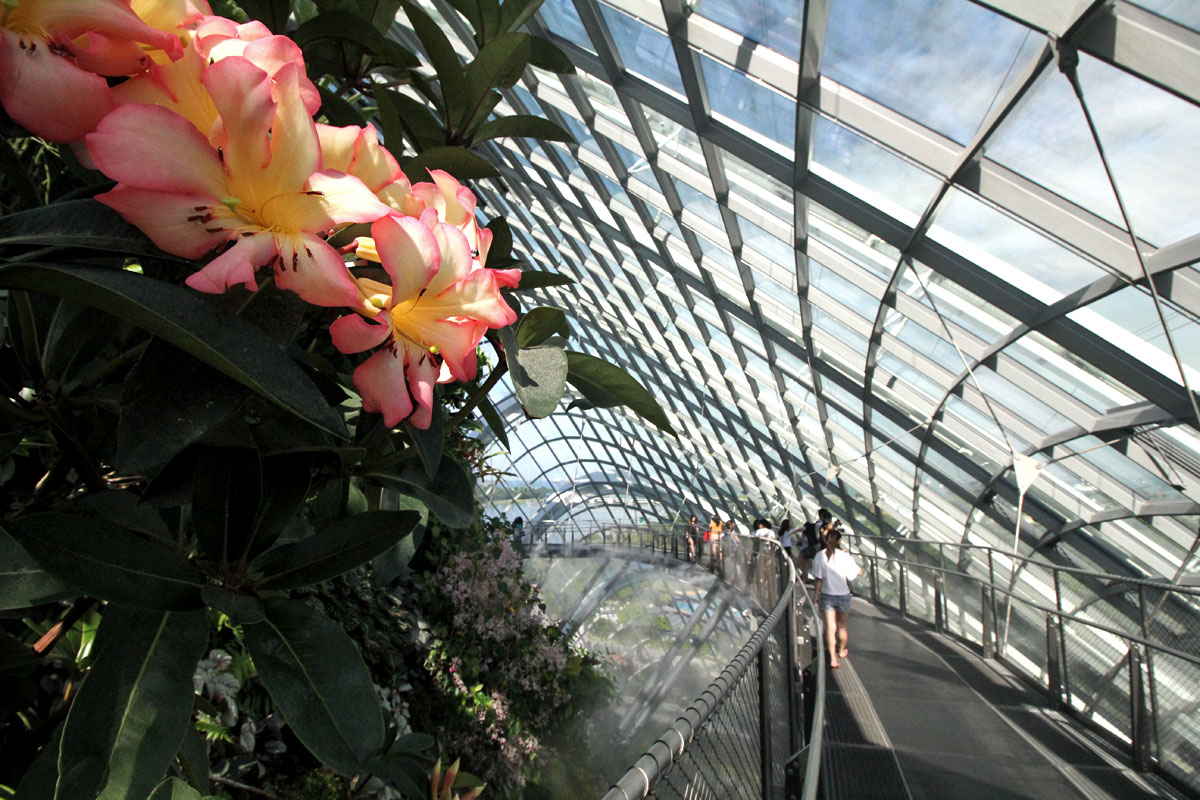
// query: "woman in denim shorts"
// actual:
[[833, 570]]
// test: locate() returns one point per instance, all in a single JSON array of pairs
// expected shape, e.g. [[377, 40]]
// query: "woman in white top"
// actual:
[[833, 570]]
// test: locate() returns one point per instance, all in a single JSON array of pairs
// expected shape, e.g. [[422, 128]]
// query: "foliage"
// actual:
[[188, 461]]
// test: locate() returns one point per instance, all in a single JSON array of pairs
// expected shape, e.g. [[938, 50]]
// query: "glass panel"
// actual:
[[644, 51], [561, 18], [940, 62], [774, 23], [871, 173], [749, 105], [1010, 250], [1128, 320]]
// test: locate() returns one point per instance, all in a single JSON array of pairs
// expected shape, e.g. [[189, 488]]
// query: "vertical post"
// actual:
[[939, 601], [1064, 673], [874, 581], [903, 584], [1139, 718], [795, 734], [764, 721], [1054, 684], [987, 618]]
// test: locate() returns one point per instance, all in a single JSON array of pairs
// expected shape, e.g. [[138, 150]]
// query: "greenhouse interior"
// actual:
[[275, 524]]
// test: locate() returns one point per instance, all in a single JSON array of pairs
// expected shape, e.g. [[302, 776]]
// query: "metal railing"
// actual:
[[1119, 653], [755, 731]]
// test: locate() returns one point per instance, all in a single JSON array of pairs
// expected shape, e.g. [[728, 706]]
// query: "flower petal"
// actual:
[[236, 265], [409, 252], [67, 19], [333, 198], [164, 217], [176, 86], [312, 269], [177, 158], [381, 383], [457, 262], [477, 297], [108, 55], [422, 377], [47, 94], [456, 341], [337, 145], [241, 93], [353, 334]]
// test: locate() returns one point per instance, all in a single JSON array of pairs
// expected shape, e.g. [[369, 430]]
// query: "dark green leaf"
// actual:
[[605, 386], [193, 757], [242, 609], [498, 65], [395, 775], [458, 161], [175, 789], [38, 781], [108, 562], [502, 239], [123, 509], [335, 550], [420, 126], [286, 479], [429, 441], [170, 400], [272, 13], [23, 582], [470, 10], [337, 111], [448, 495], [352, 28], [228, 343], [77, 223], [526, 125], [76, 336], [539, 324], [319, 681], [225, 501], [17, 659], [393, 562], [413, 743], [128, 720], [390, 121], [443, 58], [515, 13], [494, 421], [489, 10], [546, 55], [482, 110], [540, 280]]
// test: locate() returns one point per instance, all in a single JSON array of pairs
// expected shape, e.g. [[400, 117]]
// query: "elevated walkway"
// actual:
[[913, 715]]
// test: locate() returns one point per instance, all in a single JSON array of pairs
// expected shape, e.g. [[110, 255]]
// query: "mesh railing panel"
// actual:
[[1097, 674], [1175, 698], [919, 585], [964, 613]]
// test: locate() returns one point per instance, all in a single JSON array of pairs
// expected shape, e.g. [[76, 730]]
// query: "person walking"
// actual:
[[692, 532], [833, 570]]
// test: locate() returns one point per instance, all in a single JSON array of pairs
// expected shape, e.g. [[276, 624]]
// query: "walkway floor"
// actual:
[[915, 715]]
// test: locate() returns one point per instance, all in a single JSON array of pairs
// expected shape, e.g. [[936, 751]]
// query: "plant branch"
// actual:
[[114, 365], [243, 787], [479, 394]]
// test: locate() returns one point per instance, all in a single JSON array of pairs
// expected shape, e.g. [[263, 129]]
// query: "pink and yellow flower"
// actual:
[[53, 54], [440, 303], [255, 185]]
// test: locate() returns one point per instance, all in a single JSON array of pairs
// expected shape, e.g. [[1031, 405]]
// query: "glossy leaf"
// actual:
[[169, 401], [605, 386], [286, 480], [319, 681], [444, 60], [515, 13], [17, 177], [531, 279], [193, 758], [412, 118], [347, 27], [175, 789], [539, 374], [104, 561], [337, 111], [77, 223], [470, 10], [225, 500], [502, 238], [242, 609], [400, 775], [77, 334], [429, 442], [272, 13], [539, 324], [334, 550], [494, 421], [448, 495], [526, 125], [38, 781], [23, 582], [129, 718], [546, 55], [458, 161], [228, 343], [498, 65], [123, 509]]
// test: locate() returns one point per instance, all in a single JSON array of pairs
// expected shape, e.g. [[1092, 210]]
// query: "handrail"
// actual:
[[1133, 689], [671, 756]]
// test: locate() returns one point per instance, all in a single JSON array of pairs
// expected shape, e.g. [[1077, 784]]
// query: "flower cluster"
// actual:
[[217, 158]]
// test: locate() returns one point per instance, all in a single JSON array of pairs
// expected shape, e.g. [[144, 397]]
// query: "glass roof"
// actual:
[[867, 253]]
